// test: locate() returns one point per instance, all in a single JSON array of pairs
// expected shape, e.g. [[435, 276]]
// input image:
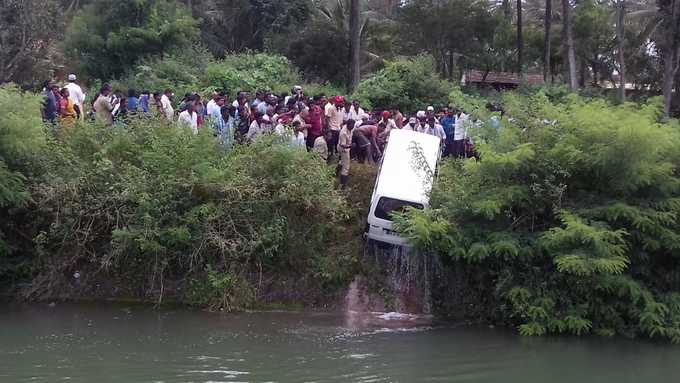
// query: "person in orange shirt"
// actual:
[[67, 112]]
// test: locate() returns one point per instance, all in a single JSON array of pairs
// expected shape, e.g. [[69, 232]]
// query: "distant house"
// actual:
[[498, 80]]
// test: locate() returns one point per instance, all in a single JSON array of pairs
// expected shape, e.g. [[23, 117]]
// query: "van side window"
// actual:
[[386, 206]]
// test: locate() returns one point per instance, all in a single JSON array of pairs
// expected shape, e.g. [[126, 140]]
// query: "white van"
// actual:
[[403, 180]]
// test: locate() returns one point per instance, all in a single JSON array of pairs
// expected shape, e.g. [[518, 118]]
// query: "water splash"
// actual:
[[406, 275]]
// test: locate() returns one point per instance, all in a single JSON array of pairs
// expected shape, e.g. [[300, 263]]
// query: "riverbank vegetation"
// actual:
[[146, 211], [569, 223]]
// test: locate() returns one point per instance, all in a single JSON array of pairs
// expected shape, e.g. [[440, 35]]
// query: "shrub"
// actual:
[[149, 210], [251, 71], [409, 85], [179, 71], [22, 138], [570, 220]]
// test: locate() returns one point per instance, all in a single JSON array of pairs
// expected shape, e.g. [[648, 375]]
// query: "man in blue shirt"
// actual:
[[144, 101], [448, 121], [132, 101]]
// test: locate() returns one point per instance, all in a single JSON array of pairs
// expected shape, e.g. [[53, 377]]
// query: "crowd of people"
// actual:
[[334, 128]]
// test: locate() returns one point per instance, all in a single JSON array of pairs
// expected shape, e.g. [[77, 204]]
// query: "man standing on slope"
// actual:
[[333, 111], [344, 147], [166, 106]]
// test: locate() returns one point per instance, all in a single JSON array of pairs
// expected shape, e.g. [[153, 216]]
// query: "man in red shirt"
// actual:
[[315, 120]]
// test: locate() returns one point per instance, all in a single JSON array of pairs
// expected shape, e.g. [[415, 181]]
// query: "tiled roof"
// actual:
[[476, 76]]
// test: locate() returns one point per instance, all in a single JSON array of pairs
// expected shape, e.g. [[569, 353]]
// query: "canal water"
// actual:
[[114, 343]]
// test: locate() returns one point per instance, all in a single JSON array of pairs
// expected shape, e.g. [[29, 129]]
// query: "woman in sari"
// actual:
[[67, 112]]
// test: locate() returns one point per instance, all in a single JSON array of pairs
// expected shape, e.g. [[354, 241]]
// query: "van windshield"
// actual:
[[386, 206]]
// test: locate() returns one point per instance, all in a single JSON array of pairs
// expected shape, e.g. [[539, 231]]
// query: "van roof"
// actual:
[[402, 175]]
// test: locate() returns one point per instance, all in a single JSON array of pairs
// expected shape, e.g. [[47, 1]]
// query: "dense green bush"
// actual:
[[409, 85], [197, 71], [21, 140], [149, 211], [570, 223], [180, 71], [107, 39], [251, 71]]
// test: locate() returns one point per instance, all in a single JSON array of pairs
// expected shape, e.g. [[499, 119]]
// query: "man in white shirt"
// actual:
[[298, 138], [189, 117], [260, 126], [459, 134], [357, 111], [166, 105], [434, 129], [211, 108], [430, 113], [412, 124], [75, 93], [421, 126]]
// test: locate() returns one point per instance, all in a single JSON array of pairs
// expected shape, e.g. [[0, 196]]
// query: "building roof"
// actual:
[[474, 76]]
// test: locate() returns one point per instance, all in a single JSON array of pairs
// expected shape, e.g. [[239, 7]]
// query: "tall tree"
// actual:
[[669, 43], [29, 31], [507, 10], [569, 45], [620, 38], [520, 37], [547, 25], [106, 41], [354, 44]]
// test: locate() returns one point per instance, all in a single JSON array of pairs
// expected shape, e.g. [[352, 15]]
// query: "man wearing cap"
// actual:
[[333, 113], [422, 119], [344, 147], [412, 124], [385, 118], [430, 113], [76, 95]]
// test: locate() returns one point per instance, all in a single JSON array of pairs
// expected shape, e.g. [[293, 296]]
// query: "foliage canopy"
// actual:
[[571, 218]]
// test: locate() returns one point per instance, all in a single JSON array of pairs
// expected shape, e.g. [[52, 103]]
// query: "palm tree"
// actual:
[[337, 15], [354, 46]]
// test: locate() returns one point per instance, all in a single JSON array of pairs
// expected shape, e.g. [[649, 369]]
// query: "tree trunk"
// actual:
[[354, 45], [670, 68], [507, 10], [546, 44], [520, 38], [569, 41], [671, 55], [620, 39]]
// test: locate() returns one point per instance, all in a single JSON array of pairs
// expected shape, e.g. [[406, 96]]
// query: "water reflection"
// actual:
[[133, 344]]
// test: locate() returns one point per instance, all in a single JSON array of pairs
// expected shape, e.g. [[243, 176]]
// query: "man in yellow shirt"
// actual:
[[344, 147]]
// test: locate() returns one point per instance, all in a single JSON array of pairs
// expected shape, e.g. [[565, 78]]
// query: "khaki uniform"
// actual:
[[104, 108], [344, 144]]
